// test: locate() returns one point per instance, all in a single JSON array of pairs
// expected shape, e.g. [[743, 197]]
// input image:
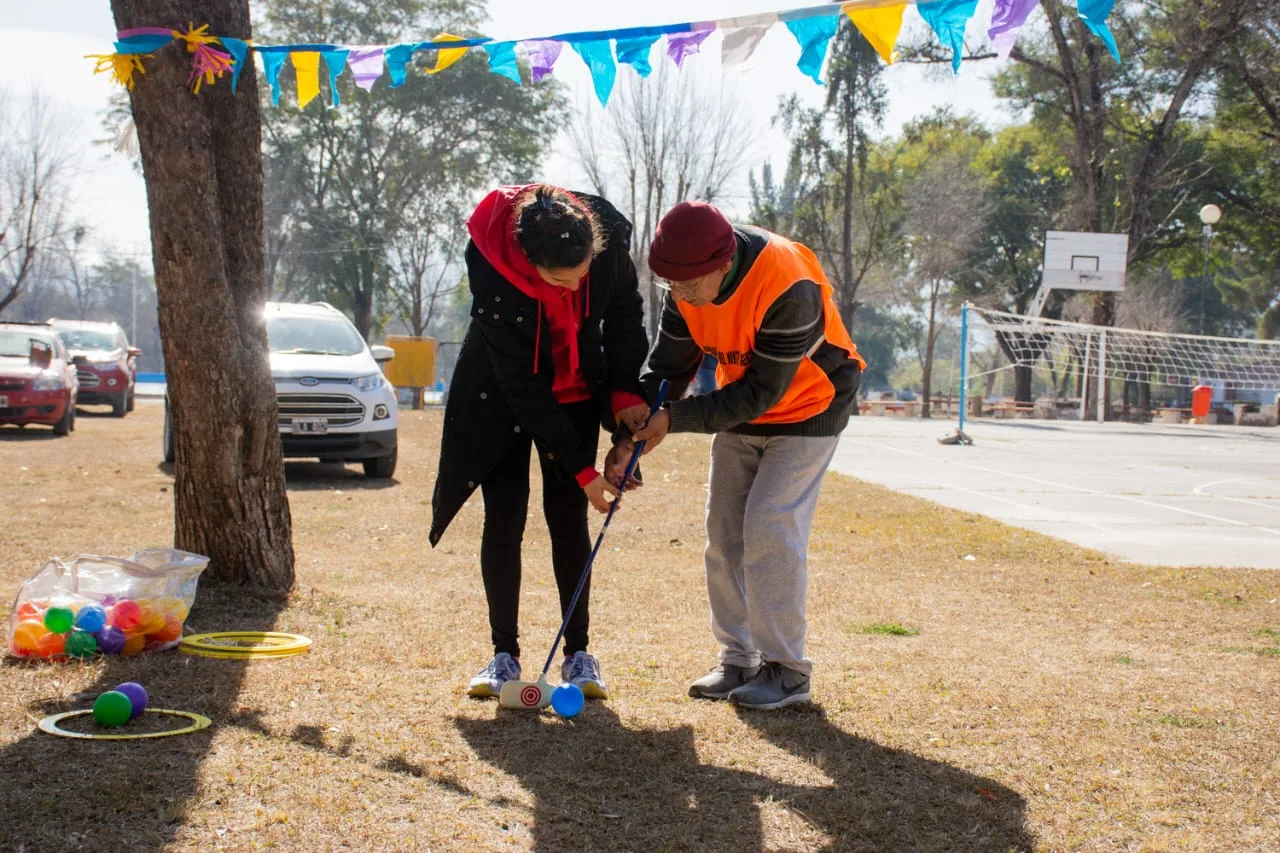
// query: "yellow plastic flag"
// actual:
[[879, 25], [307, 65], [446, 57]]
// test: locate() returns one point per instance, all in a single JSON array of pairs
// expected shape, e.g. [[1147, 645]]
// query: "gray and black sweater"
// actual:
[[792, 329]]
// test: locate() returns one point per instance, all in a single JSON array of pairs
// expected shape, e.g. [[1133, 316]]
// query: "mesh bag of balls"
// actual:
[[97, 605]]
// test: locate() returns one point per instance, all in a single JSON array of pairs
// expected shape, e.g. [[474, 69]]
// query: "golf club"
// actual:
[[537, 694]]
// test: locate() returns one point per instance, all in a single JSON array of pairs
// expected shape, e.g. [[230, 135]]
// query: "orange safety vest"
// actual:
[[728, 331]]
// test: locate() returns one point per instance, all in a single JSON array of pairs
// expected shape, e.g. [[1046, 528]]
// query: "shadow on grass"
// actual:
[[67, 794], [890, 799], [599, 785], [30, 432], [318, 476]]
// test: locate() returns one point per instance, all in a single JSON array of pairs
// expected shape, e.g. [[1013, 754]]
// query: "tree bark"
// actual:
[[202, 161]]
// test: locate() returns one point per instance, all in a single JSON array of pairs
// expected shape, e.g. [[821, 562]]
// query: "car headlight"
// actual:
[[47, 383], [367, 383]]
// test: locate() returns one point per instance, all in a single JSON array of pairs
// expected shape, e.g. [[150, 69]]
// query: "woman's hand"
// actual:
[[633, 416], [600, 493], [615, 465]]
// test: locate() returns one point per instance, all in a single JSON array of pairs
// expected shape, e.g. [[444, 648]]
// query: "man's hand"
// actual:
[[655, 430], [600, 493], [633, 416], [615, 465]]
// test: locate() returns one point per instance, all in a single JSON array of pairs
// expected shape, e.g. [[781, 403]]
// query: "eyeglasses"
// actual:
[[678, 288]]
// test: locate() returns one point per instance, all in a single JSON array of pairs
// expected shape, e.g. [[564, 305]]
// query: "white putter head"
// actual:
[[526, 695]]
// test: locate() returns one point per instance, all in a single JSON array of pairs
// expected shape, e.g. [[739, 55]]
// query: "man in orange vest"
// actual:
[[787, 374]]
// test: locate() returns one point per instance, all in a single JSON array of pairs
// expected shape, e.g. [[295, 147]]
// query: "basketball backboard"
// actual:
[[1082, 260]]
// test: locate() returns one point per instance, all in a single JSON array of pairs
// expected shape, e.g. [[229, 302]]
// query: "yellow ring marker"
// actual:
[[240, 645], [50, 725]]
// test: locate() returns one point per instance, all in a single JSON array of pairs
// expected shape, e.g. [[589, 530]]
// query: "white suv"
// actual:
[[335, 404]]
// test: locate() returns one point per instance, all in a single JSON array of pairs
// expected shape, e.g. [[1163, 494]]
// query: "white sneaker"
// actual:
[[488, 683], [583, 670]]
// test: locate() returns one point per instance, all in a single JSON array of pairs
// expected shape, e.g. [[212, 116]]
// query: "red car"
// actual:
[[37, 381], [105, 363]]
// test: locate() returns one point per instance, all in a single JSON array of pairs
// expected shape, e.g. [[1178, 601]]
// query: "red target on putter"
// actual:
[[530, 696]]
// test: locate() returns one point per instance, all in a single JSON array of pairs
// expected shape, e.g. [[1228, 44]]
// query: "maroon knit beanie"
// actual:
[[692, 240]]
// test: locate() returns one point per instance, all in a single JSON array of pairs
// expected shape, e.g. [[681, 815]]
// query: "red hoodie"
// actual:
[[492, 229]]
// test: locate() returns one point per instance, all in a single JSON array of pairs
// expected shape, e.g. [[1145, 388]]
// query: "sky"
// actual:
[[44, 45]]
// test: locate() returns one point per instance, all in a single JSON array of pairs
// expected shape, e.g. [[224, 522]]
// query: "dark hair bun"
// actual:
[[555, 230]]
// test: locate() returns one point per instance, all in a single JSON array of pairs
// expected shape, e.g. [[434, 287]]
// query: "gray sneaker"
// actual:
[[722, 680], [488, 683], [774, 686]]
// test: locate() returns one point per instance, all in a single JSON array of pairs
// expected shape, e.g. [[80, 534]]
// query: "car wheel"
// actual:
[[128, 406], [67, 422], [381, 468], [118, 406], [168, 435]]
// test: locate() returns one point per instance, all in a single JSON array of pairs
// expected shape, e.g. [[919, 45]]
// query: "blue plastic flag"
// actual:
[[814, 33], [238, 50], [397, 58], [635, 52], [335, 61], [502, 60], [271, 65], [1094, 14], [947, 18], [599, 58]]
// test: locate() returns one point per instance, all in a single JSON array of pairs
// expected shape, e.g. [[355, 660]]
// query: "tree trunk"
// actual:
[[1022, 383], [202, 161], [930, 336]]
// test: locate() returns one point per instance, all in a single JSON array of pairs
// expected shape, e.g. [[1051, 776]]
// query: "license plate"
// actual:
[[4, 402], [310, 426]]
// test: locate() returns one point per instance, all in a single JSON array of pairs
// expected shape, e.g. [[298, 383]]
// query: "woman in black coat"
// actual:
[[553, 353]]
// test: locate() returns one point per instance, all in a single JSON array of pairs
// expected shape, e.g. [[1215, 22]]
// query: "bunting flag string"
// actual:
[[812, 27]]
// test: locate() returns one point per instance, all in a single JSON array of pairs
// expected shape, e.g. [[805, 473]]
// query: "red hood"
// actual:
[[492, 230]]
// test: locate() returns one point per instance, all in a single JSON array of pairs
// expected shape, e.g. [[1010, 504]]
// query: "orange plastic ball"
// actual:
[[51, 645], [133, 643], [26, 636], [30, 610], [126, 615]]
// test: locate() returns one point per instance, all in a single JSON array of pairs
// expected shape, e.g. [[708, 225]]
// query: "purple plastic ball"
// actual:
[[137, 696], [110, 640]]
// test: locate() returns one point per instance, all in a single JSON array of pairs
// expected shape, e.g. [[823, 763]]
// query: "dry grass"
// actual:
[[1051, 699]]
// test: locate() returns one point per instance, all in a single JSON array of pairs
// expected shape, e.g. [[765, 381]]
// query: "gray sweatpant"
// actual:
[[764, 490]]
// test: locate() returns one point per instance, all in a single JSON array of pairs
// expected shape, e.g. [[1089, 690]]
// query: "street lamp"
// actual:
[[1209, 215]]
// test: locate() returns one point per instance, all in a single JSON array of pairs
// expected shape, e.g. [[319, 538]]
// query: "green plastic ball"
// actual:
[[59, 619], [112, 709], [81, 645]]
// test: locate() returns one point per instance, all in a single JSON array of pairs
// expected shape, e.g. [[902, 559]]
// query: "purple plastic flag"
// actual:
[[366, 64], [680, 46], [543, 54], [1006, 19]]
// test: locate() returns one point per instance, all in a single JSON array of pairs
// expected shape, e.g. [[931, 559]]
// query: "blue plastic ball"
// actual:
[[567, 700], [91, 618]]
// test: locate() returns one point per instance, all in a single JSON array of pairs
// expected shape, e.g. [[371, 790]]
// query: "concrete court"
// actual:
[[1164, 494]]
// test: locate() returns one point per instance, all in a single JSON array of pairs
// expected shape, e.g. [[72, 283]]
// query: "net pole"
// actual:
[[1084, 375], [1102, 377], [964, 362]]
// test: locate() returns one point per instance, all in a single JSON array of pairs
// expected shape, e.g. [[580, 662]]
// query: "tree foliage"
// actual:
[[365, 201]]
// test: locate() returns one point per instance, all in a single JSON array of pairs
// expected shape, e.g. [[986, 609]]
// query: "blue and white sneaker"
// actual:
[[488, 683], [583, 670]]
